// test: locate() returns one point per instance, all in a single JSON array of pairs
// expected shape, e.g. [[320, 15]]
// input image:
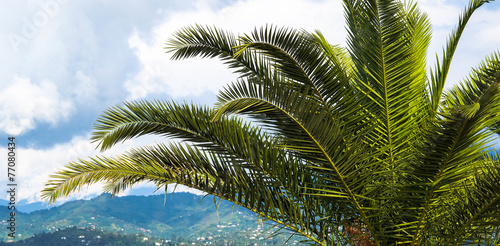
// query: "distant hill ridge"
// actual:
[[25, 207], [179, 215]]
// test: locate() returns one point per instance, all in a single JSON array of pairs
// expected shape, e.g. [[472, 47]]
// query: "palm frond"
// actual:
[[463, 134], [297, 55], [271, 190], [440, 73], [211, 42], [185, 122], [384, 37], [382, 45], [307, 133]]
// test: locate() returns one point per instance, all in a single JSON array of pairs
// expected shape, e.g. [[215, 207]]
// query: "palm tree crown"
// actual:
[[359, 146]]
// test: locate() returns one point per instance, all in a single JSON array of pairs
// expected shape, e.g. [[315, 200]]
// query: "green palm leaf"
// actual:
[[438, 77]]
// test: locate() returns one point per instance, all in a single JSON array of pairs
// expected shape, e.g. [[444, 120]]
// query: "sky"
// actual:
[[65, 61]]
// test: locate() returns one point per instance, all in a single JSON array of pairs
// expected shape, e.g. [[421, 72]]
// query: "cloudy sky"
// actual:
[[65, 61]]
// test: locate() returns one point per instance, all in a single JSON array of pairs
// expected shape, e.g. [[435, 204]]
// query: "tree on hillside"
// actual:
[[345, 146]]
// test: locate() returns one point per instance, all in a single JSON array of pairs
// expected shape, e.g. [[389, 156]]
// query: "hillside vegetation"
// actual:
[[181, 217]]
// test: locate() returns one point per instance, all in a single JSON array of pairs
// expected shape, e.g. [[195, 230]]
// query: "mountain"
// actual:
[[77, 236], [25, 207], [180, 216]]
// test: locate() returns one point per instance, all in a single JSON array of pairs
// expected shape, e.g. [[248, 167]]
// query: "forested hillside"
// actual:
[[179, 217]]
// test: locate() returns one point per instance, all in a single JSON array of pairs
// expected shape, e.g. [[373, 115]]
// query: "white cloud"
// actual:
[[85, 89], [487, 32], [79, 46], [23, 103], [442, 13]]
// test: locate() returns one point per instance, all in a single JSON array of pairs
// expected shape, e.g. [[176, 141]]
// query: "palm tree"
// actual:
[[359, 146]]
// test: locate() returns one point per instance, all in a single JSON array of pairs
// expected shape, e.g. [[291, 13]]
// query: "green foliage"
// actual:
[[76, 236], [344, 146], [184, 215]]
